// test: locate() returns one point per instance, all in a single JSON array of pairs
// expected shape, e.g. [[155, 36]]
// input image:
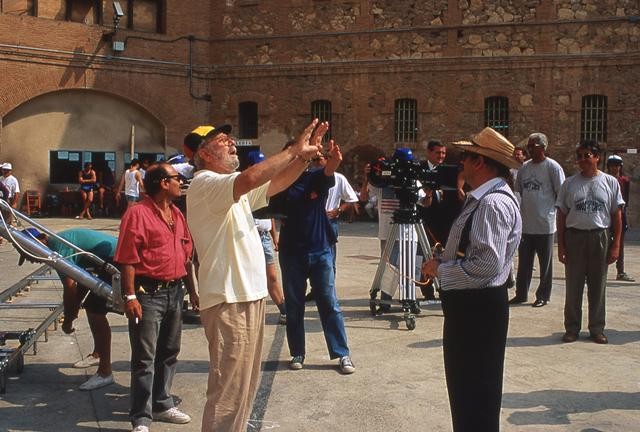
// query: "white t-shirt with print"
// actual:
[[588, 202]]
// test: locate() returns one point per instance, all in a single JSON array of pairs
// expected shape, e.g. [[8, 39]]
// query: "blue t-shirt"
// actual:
[[307, 228], [98, 243]]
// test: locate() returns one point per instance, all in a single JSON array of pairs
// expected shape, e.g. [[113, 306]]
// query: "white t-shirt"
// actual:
[[131, 186], [228, 244], [12, 184], [341, 191], [263, 225], [589, 202], [539, 185]]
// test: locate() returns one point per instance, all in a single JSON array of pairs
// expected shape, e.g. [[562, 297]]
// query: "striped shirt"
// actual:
[[493, 240]]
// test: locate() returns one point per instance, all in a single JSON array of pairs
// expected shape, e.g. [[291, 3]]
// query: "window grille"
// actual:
[[247, 120], [321, 109], [496, 114], [406, 120], [594, 118]]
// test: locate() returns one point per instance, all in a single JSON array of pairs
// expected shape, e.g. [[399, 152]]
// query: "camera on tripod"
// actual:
[[407, 176]]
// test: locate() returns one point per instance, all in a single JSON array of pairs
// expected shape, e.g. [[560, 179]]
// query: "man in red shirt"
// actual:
[[154, 251]]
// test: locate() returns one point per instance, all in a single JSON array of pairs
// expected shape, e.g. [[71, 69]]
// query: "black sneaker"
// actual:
[[624, 277], [296, 362]]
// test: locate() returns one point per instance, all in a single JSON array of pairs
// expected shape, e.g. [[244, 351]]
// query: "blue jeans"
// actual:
[[334, 249], [318, 268], [155, 345]]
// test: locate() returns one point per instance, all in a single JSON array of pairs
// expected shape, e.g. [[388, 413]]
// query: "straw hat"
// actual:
[[491, 144]]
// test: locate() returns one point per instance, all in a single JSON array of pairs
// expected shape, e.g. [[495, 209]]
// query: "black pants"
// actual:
[[474, 339], [530, 245]]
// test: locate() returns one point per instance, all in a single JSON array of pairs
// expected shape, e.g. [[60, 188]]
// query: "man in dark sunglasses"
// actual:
[[589, 229]]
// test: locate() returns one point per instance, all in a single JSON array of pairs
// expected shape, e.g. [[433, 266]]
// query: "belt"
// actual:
[[152, 285], [587, 230]]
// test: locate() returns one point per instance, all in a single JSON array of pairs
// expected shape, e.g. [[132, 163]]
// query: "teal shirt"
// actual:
[[98, 243]]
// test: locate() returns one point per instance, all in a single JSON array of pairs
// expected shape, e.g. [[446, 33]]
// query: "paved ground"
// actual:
[[399, 384]]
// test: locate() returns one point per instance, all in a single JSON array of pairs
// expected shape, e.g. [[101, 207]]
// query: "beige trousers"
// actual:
[[235, 332]]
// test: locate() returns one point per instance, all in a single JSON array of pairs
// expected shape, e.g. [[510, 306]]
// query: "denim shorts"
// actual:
[[267, 245]]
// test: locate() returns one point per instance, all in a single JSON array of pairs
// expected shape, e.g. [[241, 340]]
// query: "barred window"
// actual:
[[496, 114], [247, 120], [594, 118], [321, 109], [406, 120]]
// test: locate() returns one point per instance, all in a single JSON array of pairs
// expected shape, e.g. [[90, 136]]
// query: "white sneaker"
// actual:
[[172, 415], [346, 365], [86, 362], [141, 429], [96, 381]]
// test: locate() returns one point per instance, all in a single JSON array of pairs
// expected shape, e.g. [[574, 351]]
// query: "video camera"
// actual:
[[407, 176], [403, 172]]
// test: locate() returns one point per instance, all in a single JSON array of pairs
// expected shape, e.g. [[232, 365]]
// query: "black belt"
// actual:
[[587, 230], [152, 285]]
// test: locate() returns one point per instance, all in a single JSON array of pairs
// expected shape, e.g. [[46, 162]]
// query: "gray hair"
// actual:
[[539, 138]]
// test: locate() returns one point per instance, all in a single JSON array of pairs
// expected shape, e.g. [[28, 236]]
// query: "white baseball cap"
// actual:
[[7, 166]]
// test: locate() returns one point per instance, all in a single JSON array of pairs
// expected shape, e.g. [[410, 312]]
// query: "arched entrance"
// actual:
[[48, 138]]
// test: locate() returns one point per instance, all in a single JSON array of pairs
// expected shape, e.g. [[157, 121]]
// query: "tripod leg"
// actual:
[[382, 265], [426, 248]]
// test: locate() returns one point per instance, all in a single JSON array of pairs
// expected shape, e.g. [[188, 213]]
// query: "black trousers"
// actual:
[[530, 245], [474, 339]]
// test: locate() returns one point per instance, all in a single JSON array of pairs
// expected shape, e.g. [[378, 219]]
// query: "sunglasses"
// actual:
[[587, 155], [175, 177]]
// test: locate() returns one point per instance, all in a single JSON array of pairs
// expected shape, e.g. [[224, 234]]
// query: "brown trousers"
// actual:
[[235, 332]]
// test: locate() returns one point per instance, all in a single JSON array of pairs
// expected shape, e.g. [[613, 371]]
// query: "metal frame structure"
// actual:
[[38, 252]]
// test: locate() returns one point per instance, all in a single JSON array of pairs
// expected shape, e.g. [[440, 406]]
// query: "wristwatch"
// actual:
[[130, 297]]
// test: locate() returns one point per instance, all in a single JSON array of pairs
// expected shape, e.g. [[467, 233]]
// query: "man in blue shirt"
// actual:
[[306, 238], [103, 246]]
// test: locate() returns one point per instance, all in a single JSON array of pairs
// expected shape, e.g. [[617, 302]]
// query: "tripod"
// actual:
[[405, 227]]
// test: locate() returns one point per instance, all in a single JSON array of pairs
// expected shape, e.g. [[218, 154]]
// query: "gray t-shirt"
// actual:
[[589, 202], [539, 185]]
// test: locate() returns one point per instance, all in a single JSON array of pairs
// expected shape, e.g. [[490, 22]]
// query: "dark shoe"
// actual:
[[384, 309], [517, 300], [296, 362], [599, 339], [570, 337], [539, 303], [624, 277]]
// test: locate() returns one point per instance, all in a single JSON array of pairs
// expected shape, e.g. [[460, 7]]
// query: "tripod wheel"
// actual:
[[373, 308], [410, 321]]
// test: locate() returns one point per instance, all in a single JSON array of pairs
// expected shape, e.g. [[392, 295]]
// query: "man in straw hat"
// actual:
[[473, 273]]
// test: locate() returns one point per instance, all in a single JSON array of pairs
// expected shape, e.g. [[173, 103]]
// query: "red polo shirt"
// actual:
[[147, 242]]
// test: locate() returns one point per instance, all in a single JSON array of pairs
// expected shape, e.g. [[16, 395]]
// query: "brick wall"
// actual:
[[544, 55]]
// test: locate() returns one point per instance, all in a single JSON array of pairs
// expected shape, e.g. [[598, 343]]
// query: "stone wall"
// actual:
[[584, 9], [417, 13], [505, 41], [501, 11], [362, 55]]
